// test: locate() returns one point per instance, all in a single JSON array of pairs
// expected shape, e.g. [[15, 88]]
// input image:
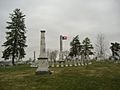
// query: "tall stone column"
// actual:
[[42, 60], [42, 45], [61, 49]]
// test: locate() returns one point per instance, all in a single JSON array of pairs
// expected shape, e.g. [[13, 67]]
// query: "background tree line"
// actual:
[[100, 49]]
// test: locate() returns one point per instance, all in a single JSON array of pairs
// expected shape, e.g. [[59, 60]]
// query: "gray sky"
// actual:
[[86, 18]]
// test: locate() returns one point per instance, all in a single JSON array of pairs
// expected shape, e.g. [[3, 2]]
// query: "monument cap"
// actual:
[[42, 30]]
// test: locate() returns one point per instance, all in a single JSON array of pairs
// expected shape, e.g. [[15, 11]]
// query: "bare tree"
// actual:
[[65, 54], [48, 53], [101, 47], [52, 54]]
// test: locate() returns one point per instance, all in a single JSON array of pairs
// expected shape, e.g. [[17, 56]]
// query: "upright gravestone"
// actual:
[[42, 60]]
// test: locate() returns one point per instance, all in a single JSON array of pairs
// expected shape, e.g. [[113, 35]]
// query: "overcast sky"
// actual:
[[86, 18]]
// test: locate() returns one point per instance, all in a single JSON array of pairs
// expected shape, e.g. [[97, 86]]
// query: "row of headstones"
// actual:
[[68, 64]]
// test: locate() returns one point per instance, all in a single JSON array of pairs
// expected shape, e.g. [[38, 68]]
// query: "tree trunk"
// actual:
[[13, 57]]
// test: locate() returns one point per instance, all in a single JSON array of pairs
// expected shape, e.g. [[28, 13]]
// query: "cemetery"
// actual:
[[77, 74], [85, 64]]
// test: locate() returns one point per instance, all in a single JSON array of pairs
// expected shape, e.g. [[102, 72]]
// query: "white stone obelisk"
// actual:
[[42, 60]]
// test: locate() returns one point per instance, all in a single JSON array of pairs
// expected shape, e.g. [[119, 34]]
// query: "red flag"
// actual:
[[64, 37]]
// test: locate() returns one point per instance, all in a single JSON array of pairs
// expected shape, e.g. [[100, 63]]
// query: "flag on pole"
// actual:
[[64, 37]]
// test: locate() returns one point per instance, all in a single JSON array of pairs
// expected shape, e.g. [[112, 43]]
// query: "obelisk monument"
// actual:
[[42, 60]]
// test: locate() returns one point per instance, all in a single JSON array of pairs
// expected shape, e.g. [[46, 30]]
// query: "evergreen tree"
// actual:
[[86, 47], [75, 47], [15, 37], [115, 48]]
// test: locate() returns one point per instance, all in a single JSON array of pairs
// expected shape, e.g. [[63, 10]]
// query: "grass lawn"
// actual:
[[98, 76]]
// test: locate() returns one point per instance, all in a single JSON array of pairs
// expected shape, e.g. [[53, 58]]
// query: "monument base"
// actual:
[[43, 66], [42, 72]]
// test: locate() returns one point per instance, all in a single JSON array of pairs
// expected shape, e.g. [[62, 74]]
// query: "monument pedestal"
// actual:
[[43, 66]]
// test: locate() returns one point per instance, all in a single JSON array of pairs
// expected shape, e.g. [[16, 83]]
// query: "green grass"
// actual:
[[98, 76]]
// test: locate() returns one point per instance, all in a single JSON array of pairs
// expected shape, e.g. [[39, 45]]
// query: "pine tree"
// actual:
[[86, 47], [75, 47], [15, 37], [115, 48]]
